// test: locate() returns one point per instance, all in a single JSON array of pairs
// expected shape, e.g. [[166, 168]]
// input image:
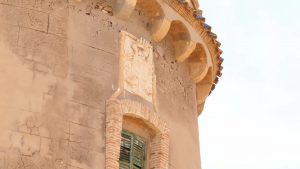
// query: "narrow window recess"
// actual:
[[133, 151]]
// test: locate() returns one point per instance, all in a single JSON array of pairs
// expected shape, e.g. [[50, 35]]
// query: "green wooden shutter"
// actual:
[[132, 154], [138, 153], [125, 152]]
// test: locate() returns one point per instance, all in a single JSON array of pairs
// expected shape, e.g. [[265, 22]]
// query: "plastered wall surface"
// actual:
[[58, 65]]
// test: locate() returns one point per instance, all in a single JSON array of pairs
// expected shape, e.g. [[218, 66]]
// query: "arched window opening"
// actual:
[[152, 147]]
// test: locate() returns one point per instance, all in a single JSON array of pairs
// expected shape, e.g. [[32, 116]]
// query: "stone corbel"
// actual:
[[202, 92], [123, 8], [203, 87], [160, 28], [198, 71], [200, 107], [183, 49]]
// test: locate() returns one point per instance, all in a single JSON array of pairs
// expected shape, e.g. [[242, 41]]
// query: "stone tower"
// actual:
[[103, 84]]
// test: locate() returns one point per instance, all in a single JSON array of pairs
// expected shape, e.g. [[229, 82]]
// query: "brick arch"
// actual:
[[159, 144]]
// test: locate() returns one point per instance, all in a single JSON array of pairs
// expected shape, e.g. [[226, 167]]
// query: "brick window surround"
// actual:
[[159, 144]]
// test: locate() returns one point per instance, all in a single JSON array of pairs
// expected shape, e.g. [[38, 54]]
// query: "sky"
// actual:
[[252, 119]]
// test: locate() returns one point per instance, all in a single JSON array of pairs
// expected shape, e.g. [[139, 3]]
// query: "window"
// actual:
[[153, 140], [132, 153]]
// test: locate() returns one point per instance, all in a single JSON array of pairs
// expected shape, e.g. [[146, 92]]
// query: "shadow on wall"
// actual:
[[15, 88], [33, 114], [21, 92]]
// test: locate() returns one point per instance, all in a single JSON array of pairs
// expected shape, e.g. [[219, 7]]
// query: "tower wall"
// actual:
[[59, 64]]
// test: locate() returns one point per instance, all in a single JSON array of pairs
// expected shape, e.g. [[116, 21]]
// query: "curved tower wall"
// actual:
[[60, 66]]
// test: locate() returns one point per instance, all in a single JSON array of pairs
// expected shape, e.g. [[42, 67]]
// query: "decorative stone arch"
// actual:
[[115, 111], [182, 43]]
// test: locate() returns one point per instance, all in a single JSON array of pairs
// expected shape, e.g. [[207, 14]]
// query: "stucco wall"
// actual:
[[58, 66]]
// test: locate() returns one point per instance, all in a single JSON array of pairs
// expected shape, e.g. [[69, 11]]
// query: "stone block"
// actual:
[[98, 33], [27, 18], [27, 144], [10, 2], [86, 116], [91, 92], [28, 163], [79, 133], [56, 7], [38, 5], [59, 7], [86, 138], [45, 147], [54, 149], [9, 35], [91, 62], [46, 49], [85, 159], [43, 132], [58, 25]]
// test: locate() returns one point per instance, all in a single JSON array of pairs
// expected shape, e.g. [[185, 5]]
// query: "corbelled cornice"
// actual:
[[202, 52], [195, 18]]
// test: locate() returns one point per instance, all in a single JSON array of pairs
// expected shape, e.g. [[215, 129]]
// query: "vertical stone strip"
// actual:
[[114, 120]]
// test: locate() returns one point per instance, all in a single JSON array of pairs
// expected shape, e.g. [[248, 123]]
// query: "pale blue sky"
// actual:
[[252, 119]]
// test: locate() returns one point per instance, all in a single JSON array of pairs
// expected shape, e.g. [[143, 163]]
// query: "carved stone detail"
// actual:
[[136, 66]]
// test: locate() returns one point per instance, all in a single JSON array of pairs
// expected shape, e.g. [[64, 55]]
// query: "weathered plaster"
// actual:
[[59, 63]]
